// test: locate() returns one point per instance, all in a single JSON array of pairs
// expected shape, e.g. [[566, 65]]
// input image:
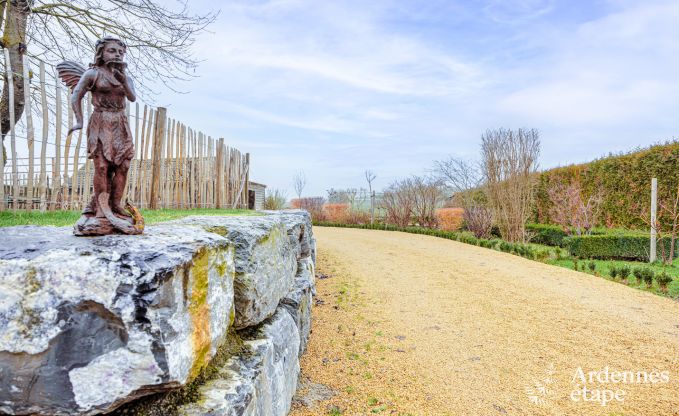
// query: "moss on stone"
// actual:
[[219, 230], [30, 317], [200, 312], [169, 403]]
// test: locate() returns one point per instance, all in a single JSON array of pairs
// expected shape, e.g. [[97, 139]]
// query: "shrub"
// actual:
[[638, 272], [624, 272], [547, 234], [313, 204], [613, 271], [450, 219], [336, 212], [591, 266], [274, 199], [663, 280], [356, 216], [623, 246], [542, 254], [479, 220], [648, 277]]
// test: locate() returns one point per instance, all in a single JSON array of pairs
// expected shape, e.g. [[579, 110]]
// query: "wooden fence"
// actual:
[[175, 166]]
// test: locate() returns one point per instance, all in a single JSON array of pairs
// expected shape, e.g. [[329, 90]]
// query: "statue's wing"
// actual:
[[70, 72]]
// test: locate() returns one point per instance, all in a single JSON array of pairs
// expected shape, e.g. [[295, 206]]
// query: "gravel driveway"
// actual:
[[412, 324]]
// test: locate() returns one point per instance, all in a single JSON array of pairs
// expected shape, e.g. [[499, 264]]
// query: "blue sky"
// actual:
[[336, 87]]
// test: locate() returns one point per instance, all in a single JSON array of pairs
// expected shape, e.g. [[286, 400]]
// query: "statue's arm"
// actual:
[[84, 85], [129, 89]]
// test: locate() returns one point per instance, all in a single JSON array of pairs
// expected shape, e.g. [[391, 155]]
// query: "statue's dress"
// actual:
[[108, 128]]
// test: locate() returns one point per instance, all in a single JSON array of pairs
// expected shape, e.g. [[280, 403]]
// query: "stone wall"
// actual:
[[208, 314]]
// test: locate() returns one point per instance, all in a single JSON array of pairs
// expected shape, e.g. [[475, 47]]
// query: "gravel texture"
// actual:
[[411, 324]]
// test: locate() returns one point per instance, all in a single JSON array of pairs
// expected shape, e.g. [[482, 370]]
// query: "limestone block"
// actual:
[[300, 300], [267, 249], [87, 324], [258, 382]]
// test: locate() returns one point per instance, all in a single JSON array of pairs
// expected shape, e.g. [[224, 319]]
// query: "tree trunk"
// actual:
[[14, 39]]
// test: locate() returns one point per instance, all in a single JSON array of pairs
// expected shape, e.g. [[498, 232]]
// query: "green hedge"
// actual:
[[554, 235], [549, 235], [523, 250], [624, 247], [625, 182]]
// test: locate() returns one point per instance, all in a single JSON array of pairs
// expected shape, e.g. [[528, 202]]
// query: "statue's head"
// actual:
[[109, 49]]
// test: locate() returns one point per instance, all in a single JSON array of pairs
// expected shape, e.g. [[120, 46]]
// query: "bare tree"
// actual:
[[159, 39], [573, 213], [398, 203], [465, 179], [298, 183], [479, 220], [461, 176], [670, 210], [509, 162], [426, 196], [275, 199], [370, 177]]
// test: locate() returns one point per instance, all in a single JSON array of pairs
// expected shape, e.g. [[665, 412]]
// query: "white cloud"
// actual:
[[337, 87], [620, 68]]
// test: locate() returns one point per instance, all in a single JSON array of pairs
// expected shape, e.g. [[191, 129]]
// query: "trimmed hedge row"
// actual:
[[624, 247], [625, 181], [554, 235], [523, 250], [549, 235]]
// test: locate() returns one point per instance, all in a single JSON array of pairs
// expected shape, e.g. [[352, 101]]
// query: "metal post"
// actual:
[[654, 210], [372, 207]]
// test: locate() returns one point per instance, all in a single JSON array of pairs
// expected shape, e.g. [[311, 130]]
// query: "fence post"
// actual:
[[372, 207], [45, 136], [159, 135], [654, 212], [247, 181], [56, 161], [15, 172], [220, 173], [29, 135]]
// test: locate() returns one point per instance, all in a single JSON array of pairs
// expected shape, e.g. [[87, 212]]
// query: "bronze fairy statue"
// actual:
[[109, 140]]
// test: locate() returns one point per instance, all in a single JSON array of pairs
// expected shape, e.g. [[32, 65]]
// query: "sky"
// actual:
[[333, 88]]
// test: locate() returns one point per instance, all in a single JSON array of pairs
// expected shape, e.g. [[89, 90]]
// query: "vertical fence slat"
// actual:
[[158, 137], [56, 161], [75, 194], [30, 135], [177, 186], [12, 121], [220, 174], [67, 149], [246, 194], [176, 166], [45, 135], [137, 152], [210, 169], [129, 172], [142, 157]]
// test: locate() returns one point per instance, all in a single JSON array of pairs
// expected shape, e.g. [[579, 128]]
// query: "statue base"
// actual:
[[90, 225], [109, 223]]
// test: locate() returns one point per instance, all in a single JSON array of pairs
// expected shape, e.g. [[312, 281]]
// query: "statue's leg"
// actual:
[[118, 187], [100, 180]]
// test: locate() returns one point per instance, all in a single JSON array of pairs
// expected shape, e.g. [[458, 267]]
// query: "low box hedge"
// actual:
[[624, 247], [549, 235]]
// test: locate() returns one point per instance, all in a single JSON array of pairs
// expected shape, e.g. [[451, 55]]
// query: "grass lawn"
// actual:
[[63, 218], [602, 269]]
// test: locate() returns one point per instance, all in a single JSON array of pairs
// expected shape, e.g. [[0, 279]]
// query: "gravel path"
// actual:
[[412, 324]]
